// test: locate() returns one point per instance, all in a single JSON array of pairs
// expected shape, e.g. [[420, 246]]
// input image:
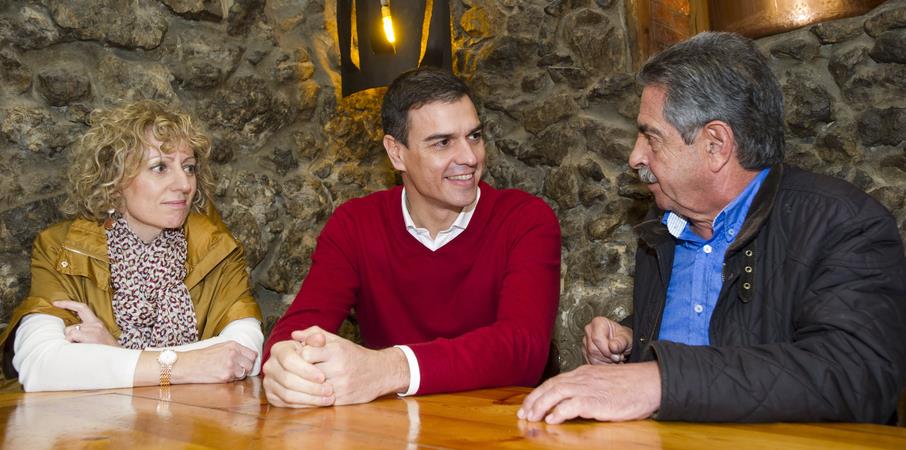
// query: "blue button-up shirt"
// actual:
[[697, 269]]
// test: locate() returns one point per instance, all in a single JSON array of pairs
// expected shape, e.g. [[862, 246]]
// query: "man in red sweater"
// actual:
[[455, 284]]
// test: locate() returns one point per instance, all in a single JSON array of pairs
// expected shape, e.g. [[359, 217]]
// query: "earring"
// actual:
[[108, 222]]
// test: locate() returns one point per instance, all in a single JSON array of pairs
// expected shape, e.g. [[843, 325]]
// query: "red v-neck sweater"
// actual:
[[477, 313]]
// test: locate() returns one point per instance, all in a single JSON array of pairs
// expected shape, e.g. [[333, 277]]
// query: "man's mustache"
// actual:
[[646, 175]]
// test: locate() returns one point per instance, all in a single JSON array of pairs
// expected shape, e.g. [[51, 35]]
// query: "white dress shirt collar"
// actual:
[[444, 237]]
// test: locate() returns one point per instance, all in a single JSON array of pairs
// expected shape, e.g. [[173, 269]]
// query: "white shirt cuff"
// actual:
[[415, 377]]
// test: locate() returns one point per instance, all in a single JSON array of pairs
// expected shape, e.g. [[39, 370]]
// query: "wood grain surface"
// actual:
[[236, 415]]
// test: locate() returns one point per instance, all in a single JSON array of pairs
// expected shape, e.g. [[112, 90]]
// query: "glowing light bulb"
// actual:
[[388, 22]]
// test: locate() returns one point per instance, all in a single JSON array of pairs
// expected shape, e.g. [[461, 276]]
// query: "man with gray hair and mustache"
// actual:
[[762, 292]]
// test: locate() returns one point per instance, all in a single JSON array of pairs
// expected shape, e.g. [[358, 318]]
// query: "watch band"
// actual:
[[165, 375], [167, 358]]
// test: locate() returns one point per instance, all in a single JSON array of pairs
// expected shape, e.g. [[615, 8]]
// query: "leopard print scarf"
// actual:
[[151, 303]]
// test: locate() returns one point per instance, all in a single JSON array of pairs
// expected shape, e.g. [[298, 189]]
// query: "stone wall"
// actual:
[[553, 80]]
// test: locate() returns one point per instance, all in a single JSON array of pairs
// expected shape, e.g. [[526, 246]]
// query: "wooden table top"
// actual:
[[236, 415]]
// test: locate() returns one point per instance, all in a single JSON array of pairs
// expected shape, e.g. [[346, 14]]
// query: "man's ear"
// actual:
[[395, 152], [721, 145]]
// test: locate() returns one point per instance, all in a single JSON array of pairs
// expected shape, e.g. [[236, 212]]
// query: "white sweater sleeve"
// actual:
[[46, 361]]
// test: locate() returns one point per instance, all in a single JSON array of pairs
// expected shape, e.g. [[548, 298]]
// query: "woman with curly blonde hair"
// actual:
[[144, 285]]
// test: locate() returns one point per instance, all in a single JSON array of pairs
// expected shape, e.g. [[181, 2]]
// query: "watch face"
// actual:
[[167, 357]]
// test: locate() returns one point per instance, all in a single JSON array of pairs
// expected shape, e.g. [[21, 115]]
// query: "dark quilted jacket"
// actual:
[[810, 324]]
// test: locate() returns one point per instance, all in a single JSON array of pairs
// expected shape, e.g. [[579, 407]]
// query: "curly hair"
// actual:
[[109, 155]]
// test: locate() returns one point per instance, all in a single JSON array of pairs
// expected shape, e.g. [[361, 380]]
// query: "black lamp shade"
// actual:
[[379, 61]]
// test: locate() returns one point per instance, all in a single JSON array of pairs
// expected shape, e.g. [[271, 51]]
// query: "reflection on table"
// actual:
[[236, 415]]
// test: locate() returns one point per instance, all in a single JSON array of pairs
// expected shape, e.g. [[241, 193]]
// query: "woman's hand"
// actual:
[[91, 330], [219, 363]]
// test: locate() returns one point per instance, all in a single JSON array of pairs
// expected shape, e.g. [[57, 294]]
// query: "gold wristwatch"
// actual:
[[166, 359]]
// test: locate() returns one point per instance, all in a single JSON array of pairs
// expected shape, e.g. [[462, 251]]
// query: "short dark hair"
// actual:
[[414, 89], [722, 76]]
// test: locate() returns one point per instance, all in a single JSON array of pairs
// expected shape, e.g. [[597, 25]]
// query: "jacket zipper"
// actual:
[[657, 322], [81, 253], [662, 302]]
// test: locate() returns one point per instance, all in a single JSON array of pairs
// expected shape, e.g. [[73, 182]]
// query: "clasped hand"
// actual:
[[317, 368]]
